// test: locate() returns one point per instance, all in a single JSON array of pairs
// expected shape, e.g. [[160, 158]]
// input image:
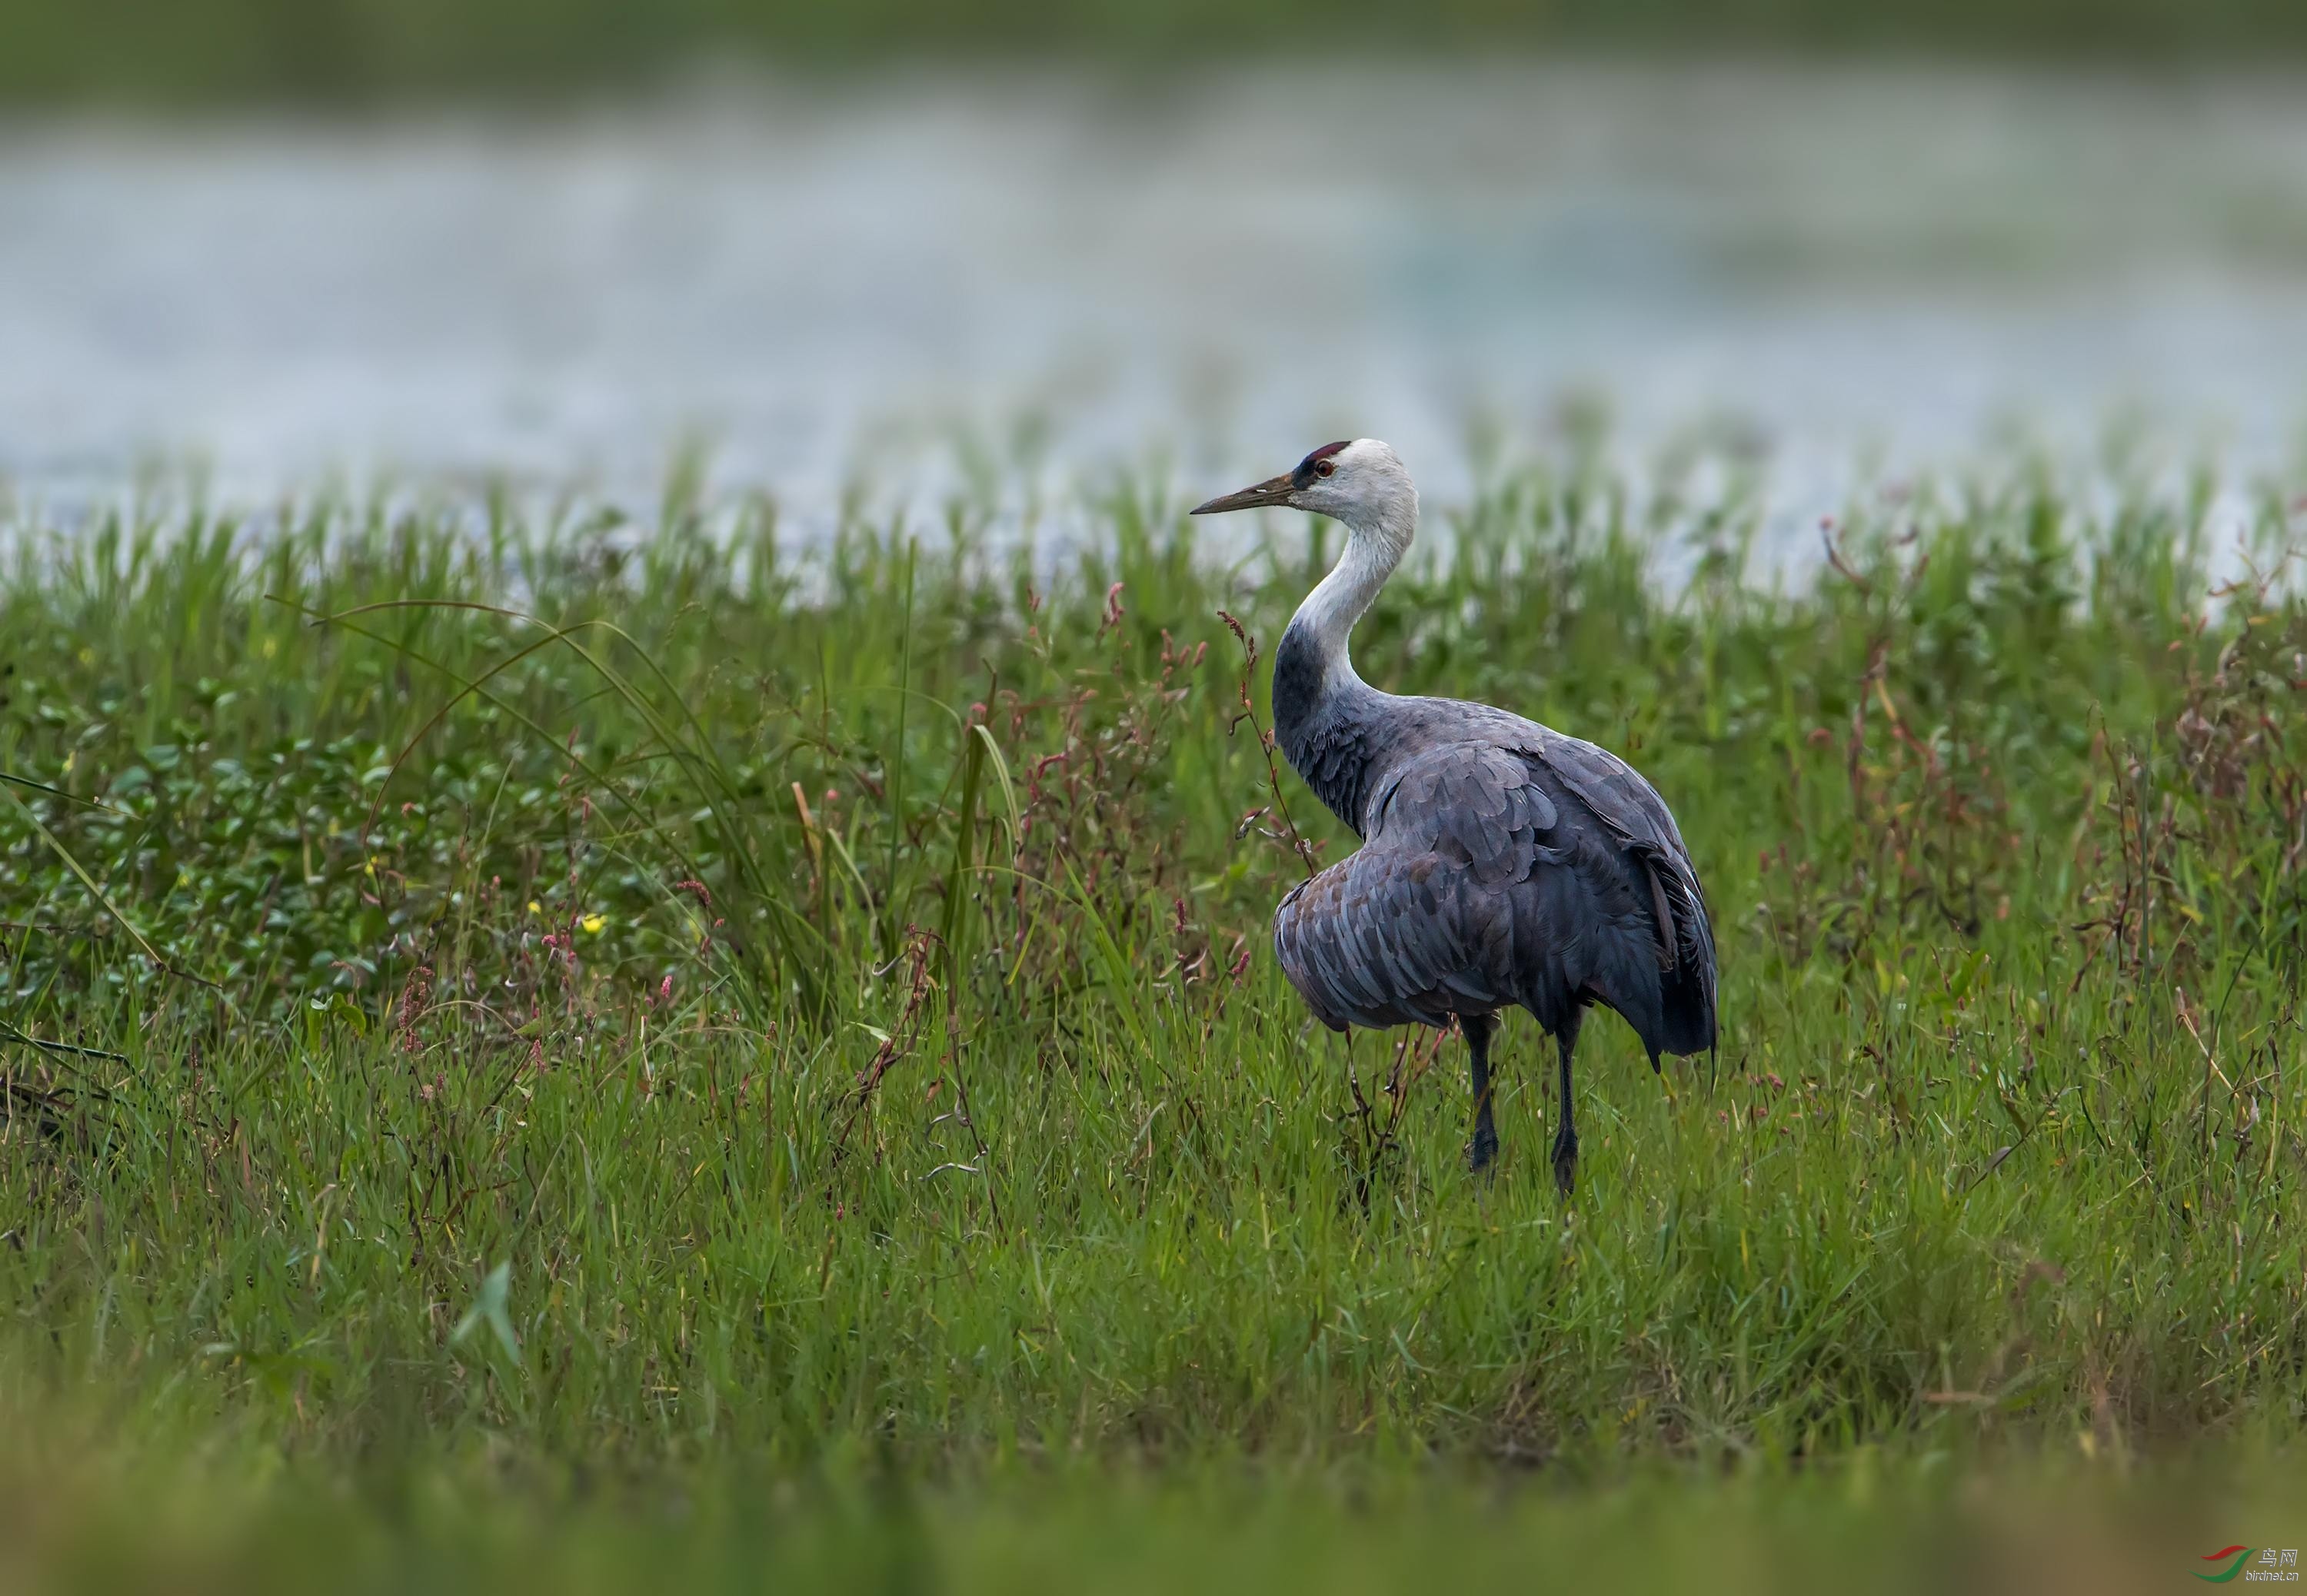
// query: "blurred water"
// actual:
[[1863, 269]]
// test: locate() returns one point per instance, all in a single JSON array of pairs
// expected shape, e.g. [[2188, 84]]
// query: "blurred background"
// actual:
[[264, 245]]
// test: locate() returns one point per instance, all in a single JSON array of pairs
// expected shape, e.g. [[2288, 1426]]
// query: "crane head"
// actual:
[[1360, 482]]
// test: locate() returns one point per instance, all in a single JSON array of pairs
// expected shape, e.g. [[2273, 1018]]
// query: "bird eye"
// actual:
[[1324, 467]]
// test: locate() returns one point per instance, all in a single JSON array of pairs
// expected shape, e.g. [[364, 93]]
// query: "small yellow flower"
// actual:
[[593, 923], [534, 908]]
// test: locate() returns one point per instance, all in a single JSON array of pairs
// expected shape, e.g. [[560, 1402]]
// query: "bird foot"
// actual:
[[1481, 1153], [1566, 1165]]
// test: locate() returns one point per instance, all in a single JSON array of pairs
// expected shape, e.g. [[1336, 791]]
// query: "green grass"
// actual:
[[341, 53], [772, 1065]]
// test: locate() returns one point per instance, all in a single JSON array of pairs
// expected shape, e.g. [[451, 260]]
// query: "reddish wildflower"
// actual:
[[413, 998]]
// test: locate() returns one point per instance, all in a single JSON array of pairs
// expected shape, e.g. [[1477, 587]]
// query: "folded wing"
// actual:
[[1499, 875]]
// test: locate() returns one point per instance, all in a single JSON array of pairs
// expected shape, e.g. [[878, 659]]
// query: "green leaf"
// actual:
[[489, 1306], [1012, 817]]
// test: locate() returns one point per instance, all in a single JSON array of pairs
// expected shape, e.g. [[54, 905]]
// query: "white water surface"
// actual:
[[1854, 273]]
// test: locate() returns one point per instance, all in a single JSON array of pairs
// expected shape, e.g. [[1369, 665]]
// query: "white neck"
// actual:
[[1375, 540]]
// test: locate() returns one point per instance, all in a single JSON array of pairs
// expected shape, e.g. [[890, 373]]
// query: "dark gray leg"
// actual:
[[1479, 1029], [1565, 1133]]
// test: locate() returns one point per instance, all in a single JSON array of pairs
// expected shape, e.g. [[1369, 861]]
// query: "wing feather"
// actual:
[[1524, 868]]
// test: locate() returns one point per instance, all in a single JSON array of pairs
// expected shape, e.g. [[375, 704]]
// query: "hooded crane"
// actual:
[[1502, 863]]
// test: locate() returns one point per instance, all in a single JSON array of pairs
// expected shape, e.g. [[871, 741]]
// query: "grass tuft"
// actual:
[[690, 1010]]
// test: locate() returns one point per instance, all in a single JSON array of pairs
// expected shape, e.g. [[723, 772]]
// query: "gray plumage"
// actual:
[[1503, 865]]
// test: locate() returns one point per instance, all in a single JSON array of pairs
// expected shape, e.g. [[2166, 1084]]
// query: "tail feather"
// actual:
[[1686, 1009]]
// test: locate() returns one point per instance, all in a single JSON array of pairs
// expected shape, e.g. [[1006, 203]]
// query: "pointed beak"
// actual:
[[1273, 491]]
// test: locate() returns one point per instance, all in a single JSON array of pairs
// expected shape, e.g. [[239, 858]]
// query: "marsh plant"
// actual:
[[536, 988]]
